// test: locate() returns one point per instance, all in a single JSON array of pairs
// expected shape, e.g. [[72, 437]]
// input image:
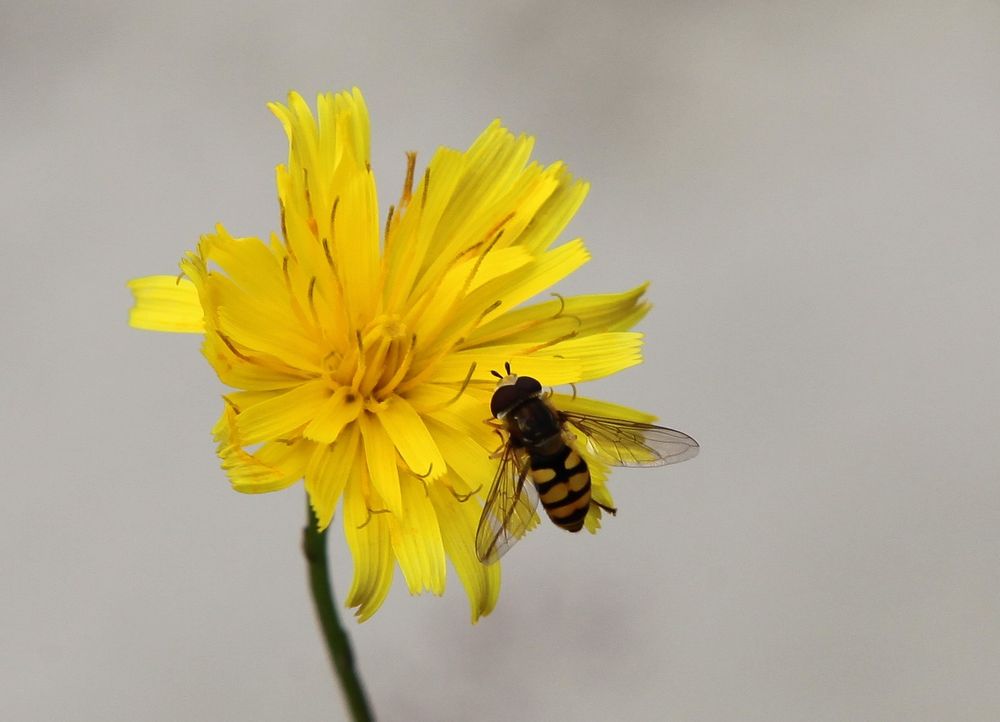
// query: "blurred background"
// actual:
[[812, 188]]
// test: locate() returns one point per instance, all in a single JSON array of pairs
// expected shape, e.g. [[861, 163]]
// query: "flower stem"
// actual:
[[337, 643]]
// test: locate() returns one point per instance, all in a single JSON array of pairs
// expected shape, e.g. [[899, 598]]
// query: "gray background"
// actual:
[[812, 189]]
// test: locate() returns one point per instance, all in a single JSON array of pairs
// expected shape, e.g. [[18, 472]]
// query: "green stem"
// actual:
[[337, 643]]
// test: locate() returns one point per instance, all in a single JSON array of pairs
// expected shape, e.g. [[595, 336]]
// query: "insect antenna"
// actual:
[[497, 374]]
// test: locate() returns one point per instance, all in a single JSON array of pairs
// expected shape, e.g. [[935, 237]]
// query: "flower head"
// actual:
[[359, 347]]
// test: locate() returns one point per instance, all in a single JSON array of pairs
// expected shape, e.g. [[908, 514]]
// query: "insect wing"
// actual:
[[620, 442], [509, 512]]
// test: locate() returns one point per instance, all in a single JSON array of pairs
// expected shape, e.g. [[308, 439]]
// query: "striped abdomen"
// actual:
[[563, 483]]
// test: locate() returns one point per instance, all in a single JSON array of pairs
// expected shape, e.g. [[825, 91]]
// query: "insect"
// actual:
[[540, 460]]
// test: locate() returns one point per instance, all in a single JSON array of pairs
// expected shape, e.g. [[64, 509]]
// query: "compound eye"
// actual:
[[528, 386], [504, 399]]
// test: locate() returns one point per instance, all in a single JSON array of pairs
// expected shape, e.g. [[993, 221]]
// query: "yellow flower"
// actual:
[[360, 351]]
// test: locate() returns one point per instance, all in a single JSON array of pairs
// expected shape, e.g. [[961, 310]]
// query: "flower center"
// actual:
[[378, 363]]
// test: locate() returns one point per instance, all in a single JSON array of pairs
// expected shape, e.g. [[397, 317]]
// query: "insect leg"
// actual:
[[610, 509]]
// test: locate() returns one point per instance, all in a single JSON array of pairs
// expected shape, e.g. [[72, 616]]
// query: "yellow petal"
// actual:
[[467, 460], [409, 241], [550, 220], [264, 326], [282, 414], [380, 457], [249, 264], [328, 472], [274, 466], [570, 361], [550, 371], [416, 540], [507, 291], [353, 124], [240, 400], [582, 315], [599, 470], [368, 539], [166, 303], [599, 493], [247, 374], [330, 188], [465, 414], [338, 411], [458, 522], [437, 313], [602, 354], [355, 241], [593, 407], [411, 438], [491, 164], [592, 521], [522, 202], [602, 495], [495, 191], [549, 269]]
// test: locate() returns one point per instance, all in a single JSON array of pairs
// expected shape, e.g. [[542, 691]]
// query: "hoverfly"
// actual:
[[540, 460]]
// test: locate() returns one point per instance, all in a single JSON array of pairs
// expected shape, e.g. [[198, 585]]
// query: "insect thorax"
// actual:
[[533, 422]]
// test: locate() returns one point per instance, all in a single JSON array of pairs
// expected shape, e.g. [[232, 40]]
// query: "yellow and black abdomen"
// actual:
[[563, 482]]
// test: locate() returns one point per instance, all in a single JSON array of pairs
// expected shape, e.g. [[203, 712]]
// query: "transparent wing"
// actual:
[[509, 512], [631, 443]]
